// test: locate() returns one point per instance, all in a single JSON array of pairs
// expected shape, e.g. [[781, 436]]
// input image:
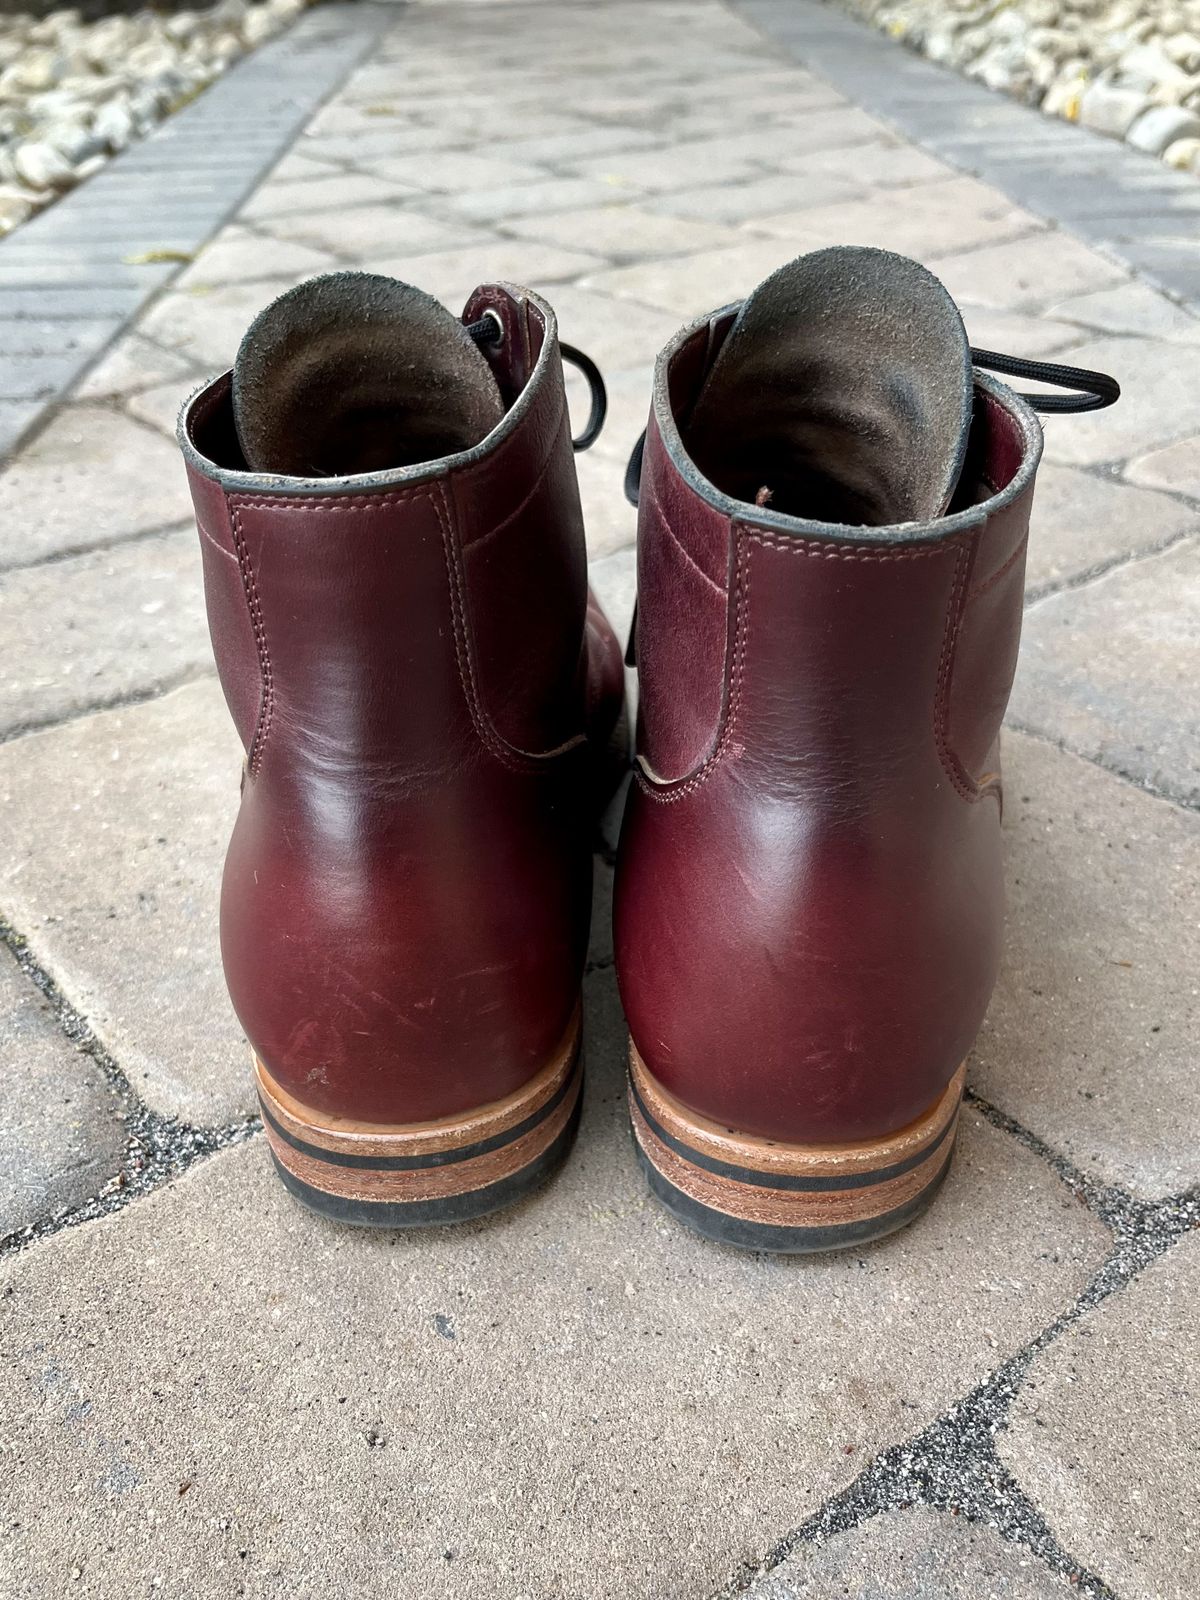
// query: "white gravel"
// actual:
[[1126, 68], [74, 93]]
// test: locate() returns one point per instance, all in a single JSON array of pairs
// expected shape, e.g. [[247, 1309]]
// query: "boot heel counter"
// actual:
[[403, 894]]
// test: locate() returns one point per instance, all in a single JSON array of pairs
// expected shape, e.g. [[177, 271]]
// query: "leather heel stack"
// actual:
[[427, 1173], [763, 1194]]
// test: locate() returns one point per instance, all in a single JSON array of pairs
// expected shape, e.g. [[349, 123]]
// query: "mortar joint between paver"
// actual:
[[158, 1149], [115, 702], [1118, 563], [952, 1465], [1185, 802]]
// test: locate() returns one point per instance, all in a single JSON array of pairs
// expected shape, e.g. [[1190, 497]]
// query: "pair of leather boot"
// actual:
[[833, 510]]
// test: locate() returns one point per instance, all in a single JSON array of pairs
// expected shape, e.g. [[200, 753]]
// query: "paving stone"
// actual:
[[118, 824], [60, 1137], [381, 142], [68, 301], [622, 231], [1131, 308], [374, 122], [88, 478], [364, 232], [700, 1377], [614, 578], [1037, 270], [672, 166], [1177, 468], [1090, 1039], [37, 350], [1110, 670], [756, 197], [133, 363], [451, 275], [1104, 1433], [238, 255], [697, 283], [924, 223], [558, 148], [912, 1555], [628, 408], [501, 118], [294, 167], [617, 334], [545, 197], [332, 193], [94, 628], [453, 171], [878, 164], [611, 523], [15, 417], [40, 377], [1016, 332], [1082, 521], [33, 268], [841, 128], [1160, 402], [206, 325], [159, 407]]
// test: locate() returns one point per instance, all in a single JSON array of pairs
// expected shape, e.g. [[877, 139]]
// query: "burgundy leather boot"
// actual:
[[833, 516], [431, 707]]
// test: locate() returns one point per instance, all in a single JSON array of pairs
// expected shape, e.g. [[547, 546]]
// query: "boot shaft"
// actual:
[[809, 888], [408, 618], [829, 660], [420, 684]]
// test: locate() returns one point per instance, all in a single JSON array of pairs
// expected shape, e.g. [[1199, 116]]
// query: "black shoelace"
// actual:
[[1090, 391], [489, 331], [1087, 391]]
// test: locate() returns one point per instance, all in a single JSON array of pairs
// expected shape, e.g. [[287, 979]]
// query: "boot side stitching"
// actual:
[[741, 612], [652, 500], [466, 675], [962, 781], [520, 761], [792, 545], [266, 709], [329, 502], [982, 588], [435, 490], [735, 663], [542, 470], [207, 538]]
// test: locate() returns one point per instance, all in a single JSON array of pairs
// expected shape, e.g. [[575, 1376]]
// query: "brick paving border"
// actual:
[[1125, 203], [70, 280]]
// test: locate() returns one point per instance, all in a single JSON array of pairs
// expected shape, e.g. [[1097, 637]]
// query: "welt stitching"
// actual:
[[965, 786], [254, 601]]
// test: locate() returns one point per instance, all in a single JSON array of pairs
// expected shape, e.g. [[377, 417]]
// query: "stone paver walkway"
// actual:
[[206, 1391]]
